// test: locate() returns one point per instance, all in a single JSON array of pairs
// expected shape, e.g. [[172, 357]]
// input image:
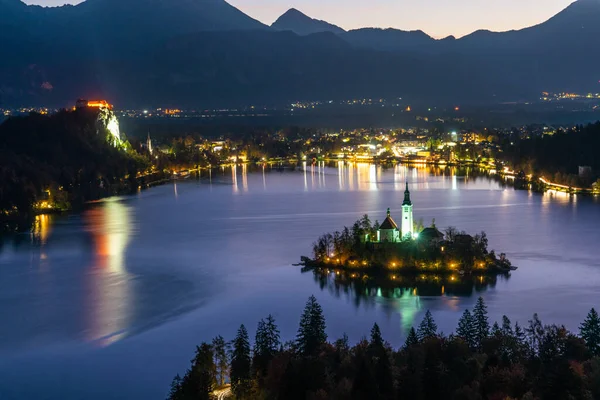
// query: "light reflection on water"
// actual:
[[109, 294]]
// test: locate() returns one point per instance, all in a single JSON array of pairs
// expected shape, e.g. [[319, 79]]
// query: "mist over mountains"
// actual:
[[206, 53]]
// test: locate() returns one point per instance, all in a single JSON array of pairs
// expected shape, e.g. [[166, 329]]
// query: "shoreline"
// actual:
[[308, 264]]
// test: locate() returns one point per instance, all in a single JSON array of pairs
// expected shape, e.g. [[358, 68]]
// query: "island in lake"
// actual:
[[406, 249]]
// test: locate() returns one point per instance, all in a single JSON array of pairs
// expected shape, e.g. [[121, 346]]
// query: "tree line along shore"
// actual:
[[479, 360]]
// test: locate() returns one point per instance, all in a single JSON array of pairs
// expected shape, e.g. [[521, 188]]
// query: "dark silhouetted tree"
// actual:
[[534, 332], [241, 383], [506, 326], [311, 333], [427, 327], [175, 391], [496, 331], [412, 338], [199, 380], [480, 317], [221, 359], [467, 330], [590, 332]]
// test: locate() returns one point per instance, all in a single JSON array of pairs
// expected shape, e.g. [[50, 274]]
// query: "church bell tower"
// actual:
[[407, 216]]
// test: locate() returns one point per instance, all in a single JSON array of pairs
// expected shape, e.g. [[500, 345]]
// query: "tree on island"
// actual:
[[311, 333], [241, 363], [590, 332]]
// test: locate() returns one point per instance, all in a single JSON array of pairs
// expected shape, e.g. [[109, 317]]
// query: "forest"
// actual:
[[65, 158], [480, 360]]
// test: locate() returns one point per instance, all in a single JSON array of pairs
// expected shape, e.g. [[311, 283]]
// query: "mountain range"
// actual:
[[207, 53]]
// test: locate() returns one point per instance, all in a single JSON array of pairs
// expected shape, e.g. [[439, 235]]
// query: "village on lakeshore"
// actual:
[[406, 247]]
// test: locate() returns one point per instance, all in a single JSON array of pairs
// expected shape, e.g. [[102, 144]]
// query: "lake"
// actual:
[[110, 303]]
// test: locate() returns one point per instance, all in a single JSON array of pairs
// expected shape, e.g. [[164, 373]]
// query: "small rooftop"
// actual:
[[388, 223]]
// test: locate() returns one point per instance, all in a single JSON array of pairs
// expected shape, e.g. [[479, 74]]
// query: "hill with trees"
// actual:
[[63, 160]]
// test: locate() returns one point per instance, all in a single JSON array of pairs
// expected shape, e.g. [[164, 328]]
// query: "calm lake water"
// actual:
[[110, 304]]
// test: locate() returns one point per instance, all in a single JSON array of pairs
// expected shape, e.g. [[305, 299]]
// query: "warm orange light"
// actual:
[[99, 104]]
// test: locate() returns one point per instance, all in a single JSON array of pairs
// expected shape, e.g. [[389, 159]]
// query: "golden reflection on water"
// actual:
[[109, 293], [40, 232]]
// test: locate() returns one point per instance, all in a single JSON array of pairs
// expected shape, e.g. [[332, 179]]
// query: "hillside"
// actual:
[[72, 150]]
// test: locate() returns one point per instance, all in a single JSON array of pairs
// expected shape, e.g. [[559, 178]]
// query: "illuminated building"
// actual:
[[407, 215], [388, 231], [82, 103]]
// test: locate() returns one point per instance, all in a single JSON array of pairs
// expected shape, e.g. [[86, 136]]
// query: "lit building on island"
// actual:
[[389, 232]]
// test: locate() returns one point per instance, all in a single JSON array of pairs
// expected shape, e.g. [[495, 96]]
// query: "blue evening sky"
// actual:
[[438, 18]]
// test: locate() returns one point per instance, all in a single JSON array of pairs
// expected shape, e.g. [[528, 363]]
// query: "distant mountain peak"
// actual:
[[294, 11], [296, 21]]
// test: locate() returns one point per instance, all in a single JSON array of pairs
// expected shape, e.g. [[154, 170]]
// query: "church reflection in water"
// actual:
[[400, 293], [109, 294]]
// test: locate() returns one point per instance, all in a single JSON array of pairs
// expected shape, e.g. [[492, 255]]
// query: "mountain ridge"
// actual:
[[301, 24], [209, 53]]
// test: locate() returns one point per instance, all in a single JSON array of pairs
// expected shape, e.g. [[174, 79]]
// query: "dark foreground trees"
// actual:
[[477, 362]]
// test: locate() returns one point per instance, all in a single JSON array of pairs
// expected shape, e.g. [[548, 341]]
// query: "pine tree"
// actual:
[[381, 365], [506, 327], [427, 328], [590, 332], [267, 341], [519, 334], [482, 325], [266, 344], [535, 333], [376, 339], [311, 333], [412, 338], [240, 365], [198, 382], [496, 331], [175, 392], [221, 359], [272, 335], [467, 330]]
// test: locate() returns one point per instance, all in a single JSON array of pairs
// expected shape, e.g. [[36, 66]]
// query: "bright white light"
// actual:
[[113, 128]]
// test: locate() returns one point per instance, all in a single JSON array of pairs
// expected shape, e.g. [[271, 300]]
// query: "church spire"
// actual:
[[407, 201]]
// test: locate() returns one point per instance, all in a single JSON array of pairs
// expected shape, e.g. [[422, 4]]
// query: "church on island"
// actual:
[[389, 232]]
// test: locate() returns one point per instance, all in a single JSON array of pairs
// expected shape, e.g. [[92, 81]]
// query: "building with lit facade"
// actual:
[[389, 232]]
